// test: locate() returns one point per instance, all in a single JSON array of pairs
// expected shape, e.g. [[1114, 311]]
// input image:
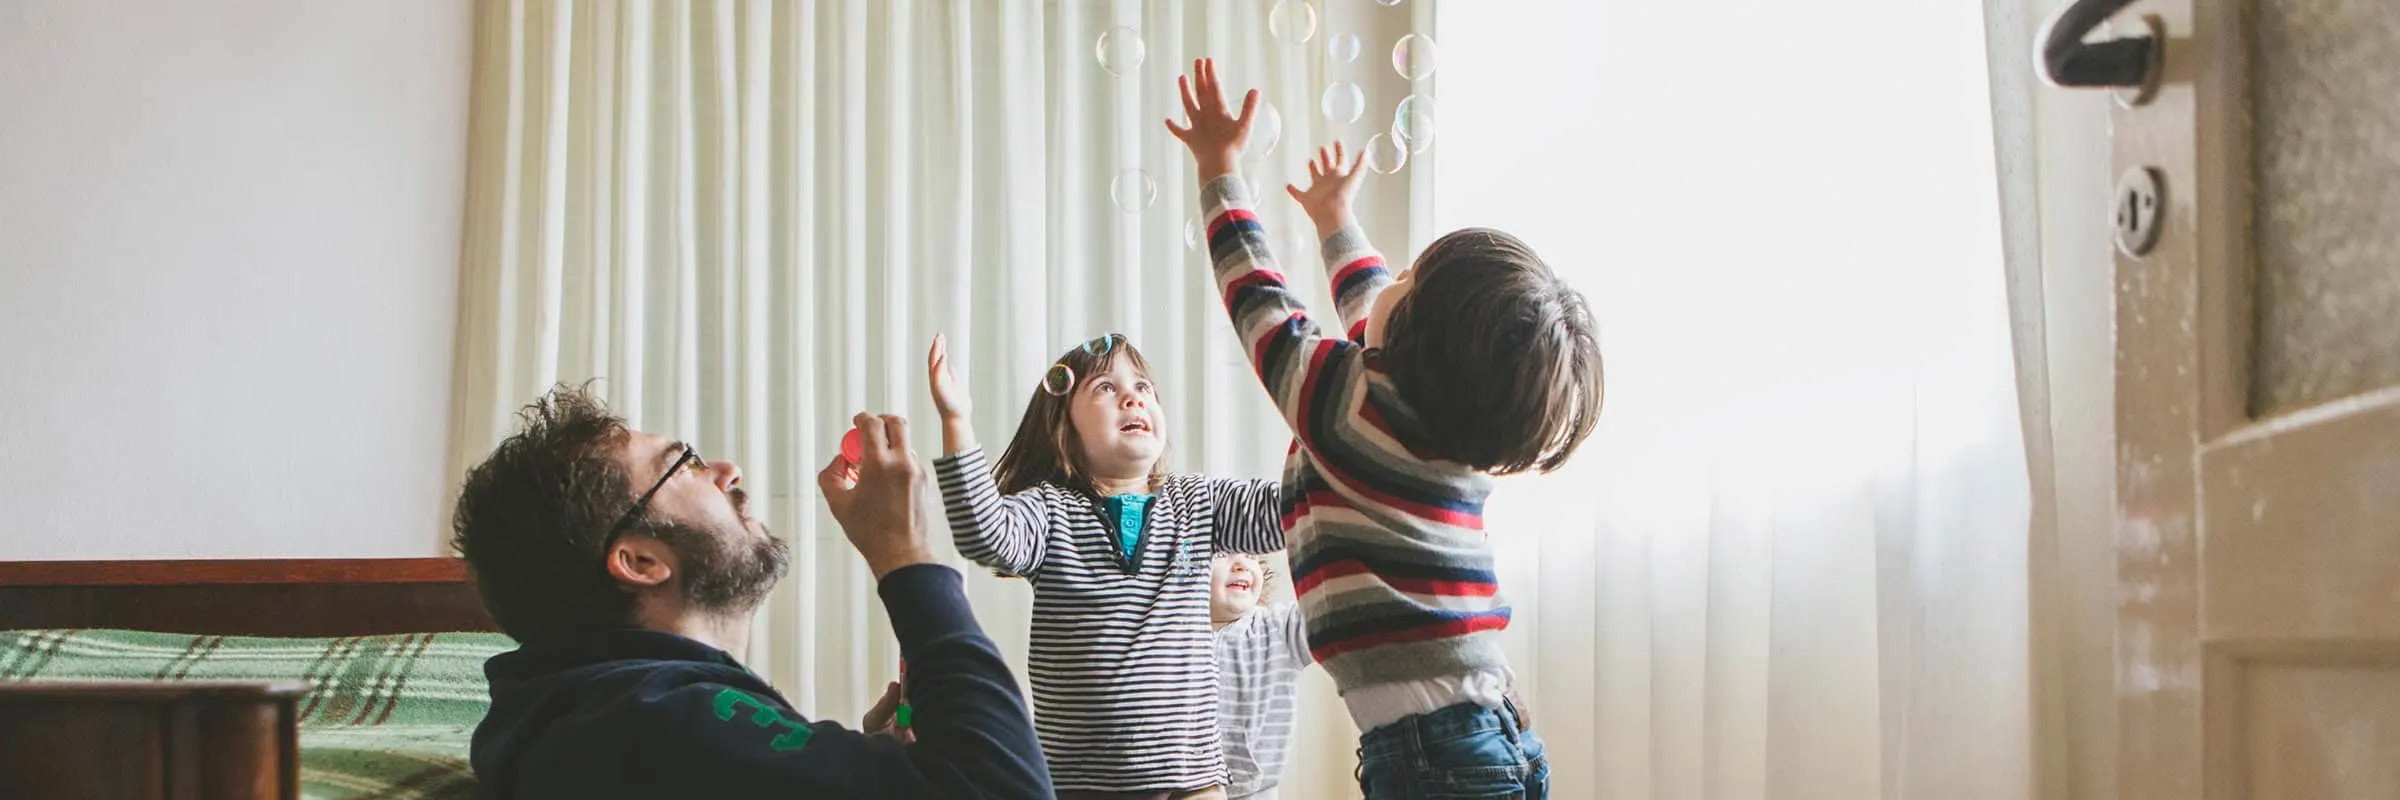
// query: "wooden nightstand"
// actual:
[[171, 741]]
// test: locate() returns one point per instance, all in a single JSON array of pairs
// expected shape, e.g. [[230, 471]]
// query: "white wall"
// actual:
[[229, 238]]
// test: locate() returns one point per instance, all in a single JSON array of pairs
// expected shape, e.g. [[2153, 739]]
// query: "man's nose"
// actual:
[[726, 473]]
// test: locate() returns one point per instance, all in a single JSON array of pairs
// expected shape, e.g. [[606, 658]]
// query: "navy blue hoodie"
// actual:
[[639, 713]]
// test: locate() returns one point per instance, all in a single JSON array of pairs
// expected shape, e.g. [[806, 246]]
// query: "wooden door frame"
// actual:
[[2196, 465], [2180, 379]]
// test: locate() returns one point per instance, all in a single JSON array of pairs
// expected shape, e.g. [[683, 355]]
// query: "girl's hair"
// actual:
[[1046, 448]]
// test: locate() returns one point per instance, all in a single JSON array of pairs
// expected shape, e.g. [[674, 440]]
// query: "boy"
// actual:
[[1261, 650], [1476, 362]]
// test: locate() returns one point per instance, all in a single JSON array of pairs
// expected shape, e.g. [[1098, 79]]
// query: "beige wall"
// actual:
[[229, 237]]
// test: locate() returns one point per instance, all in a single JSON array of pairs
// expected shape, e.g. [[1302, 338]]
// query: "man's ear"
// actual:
[[641, 562]]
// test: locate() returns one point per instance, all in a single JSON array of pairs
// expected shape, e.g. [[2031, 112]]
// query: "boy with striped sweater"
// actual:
[[1476, 362]]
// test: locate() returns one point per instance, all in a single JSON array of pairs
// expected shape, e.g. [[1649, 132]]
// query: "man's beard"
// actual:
[[728, 572]]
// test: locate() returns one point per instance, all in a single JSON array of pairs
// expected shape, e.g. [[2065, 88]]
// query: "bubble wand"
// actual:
[[900, 716]]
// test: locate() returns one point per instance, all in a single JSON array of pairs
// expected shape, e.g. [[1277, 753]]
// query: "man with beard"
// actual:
[[628, 568]]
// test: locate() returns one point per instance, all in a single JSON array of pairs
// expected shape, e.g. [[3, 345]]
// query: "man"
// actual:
[[629, 568]]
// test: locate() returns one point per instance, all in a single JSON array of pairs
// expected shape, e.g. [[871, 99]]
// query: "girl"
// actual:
[[1261, 649], [1118, 552]]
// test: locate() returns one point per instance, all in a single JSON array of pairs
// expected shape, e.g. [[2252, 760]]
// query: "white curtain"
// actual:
[[749, 219], [1793, 562], [2054, 166]]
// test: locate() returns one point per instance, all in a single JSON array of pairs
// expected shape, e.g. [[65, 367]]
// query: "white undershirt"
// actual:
[[1385, 703]]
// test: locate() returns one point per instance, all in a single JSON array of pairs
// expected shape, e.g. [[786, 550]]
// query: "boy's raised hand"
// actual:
[[1331, 185], [1214, 136]]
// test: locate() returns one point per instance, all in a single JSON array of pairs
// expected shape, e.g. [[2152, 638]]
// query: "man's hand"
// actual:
[[883, 512], [880, 719], [1215, 137], [1331, 185]]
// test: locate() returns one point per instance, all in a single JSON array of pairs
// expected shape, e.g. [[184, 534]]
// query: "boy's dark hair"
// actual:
[[1497, 357], [532, 518], [1045, 447]]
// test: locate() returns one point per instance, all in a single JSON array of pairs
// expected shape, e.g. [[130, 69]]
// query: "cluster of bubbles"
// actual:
[[1121, 52]]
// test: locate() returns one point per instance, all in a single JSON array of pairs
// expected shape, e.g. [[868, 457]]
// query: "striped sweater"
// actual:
[[1124, 676], [1388, 552]]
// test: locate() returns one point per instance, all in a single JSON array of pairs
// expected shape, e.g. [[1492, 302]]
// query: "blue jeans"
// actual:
[[1463, 751]]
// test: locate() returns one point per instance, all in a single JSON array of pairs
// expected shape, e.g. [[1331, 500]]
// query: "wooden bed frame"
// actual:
[[244, 597]]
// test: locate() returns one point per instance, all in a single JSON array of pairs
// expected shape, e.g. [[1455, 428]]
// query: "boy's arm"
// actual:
[[1009, 534], [1358, 274], [1303, 370], [1291, 353], [1249, 516], [974, 738]]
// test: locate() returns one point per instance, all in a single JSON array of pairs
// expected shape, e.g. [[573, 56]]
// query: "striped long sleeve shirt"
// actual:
[[1389, 558], [1259, 659], [1124, 677]]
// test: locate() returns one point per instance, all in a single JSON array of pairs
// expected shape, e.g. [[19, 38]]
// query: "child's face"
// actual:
[[1380, 314], [1234, 584], [1116, 416]]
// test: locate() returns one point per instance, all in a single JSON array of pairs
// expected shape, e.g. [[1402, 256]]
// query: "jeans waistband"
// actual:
[[1452, 722]]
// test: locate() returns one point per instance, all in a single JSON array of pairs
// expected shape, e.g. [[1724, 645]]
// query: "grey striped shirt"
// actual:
[[1119, 653], [1259, 659]]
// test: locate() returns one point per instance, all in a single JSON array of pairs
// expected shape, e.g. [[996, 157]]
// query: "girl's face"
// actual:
[[1234, 580], [1116, 417]]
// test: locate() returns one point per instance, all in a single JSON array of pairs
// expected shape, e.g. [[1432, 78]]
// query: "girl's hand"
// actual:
[[1331, 185], [949, 397], [1214, 136]]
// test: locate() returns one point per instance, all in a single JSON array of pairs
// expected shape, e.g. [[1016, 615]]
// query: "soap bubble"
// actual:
[[1343, 102], [1059, 380], [1133, 191], [1292, 22], [1342, 48], [1412, 122], [1387, 2], [1266, 131], [1192, 237], [1412, 57], [1386, 154], [1120, 51]]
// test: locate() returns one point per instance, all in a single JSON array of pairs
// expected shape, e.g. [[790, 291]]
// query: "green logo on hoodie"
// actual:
[[729, 703]]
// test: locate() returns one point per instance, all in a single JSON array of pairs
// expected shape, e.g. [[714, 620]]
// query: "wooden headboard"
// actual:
[[244, 597]]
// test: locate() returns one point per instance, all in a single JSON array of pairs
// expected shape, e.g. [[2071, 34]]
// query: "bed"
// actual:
[[388, 653]]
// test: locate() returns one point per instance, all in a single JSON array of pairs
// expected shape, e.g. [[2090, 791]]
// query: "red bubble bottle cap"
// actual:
[[853, 450]]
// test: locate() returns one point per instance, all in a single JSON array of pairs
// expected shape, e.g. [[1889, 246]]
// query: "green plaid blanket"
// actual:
[[386, 716]]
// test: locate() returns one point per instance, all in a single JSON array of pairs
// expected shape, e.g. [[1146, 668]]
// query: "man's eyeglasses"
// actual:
[[690, 456]]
